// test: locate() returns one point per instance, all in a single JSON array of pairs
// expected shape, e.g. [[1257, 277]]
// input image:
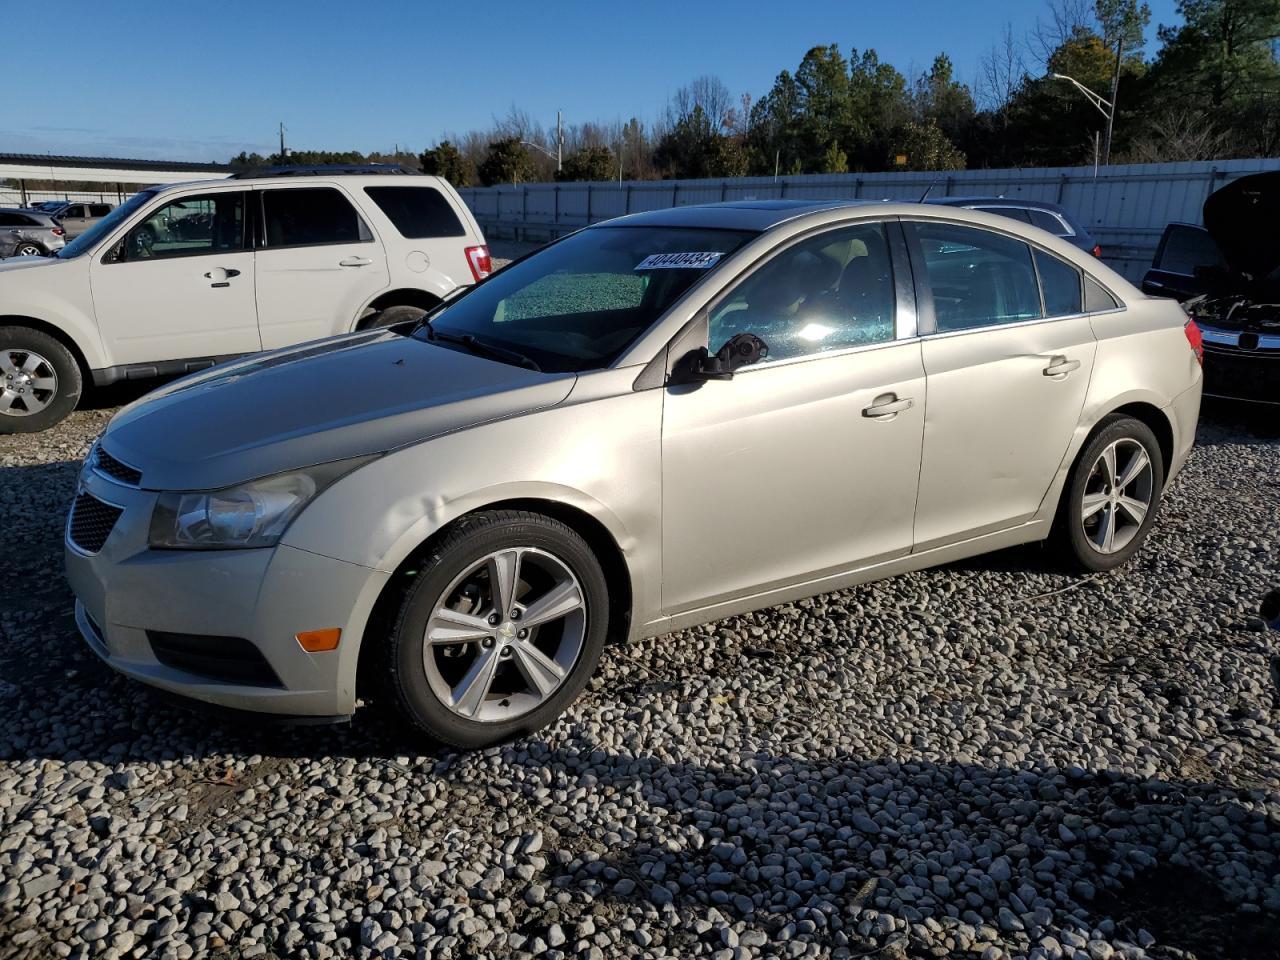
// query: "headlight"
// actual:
[[253, 514]]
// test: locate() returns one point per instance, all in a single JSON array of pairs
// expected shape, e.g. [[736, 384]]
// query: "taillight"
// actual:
[[57, 231], [480, 262], [1097, 251], [1196, 339]]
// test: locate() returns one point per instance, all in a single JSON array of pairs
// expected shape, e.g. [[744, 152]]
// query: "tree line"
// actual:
[[1210, 90]]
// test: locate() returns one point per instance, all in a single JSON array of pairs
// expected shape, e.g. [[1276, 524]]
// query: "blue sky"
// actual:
[[203, 81]]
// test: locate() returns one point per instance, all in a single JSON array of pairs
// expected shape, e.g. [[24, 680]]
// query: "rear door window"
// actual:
[[1060, 284], [1013, 213], [978, 278], [99, 209], [311, 216], [1184, 248], [417, 212], [1047, 221]]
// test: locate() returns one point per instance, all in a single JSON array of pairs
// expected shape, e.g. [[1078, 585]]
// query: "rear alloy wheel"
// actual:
[[500, 631], [1113, 495], [28, 250], [40, 380]]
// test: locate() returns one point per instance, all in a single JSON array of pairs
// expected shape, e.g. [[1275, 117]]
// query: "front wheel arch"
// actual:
[[86, 372]]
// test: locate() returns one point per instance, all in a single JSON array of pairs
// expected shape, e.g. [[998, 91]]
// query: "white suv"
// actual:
[[183, 276]]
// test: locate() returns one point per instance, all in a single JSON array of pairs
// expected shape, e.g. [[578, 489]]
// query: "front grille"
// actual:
[[228, 659], [92, 522], [112, 467]]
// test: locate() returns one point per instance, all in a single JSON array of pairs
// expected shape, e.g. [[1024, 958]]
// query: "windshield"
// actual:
[[581, 302], [89, 239]]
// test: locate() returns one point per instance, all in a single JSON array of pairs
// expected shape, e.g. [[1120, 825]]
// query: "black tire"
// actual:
[[392, 315], [462, 546], [70, 382], [28, 249], [1072, 532]]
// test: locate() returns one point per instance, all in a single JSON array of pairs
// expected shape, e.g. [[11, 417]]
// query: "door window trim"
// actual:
[[924, 294], [367, 234]]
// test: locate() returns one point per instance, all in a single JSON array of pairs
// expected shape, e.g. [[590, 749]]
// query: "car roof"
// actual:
[[994, 202], [736, 214], [25, 211]]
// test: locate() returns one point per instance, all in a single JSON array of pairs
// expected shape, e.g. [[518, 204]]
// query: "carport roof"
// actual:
[[109, 163]]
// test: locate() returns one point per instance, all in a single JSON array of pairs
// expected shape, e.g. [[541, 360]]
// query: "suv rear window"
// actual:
[[306, 216], [1184, 248], [417, 212]]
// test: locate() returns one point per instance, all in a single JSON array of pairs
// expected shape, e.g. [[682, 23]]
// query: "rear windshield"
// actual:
[[417, 212], [578, 304], [1186, 248]]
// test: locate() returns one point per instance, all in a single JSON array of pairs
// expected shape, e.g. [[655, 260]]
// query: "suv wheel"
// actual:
[[500, 631], [1112, 497], [28, 249], [40, 380]]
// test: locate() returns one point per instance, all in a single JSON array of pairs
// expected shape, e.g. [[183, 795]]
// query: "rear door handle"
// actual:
[[1059, 367], [355, 262], [887, 406]]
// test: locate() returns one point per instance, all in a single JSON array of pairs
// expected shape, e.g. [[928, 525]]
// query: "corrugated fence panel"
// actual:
[[1125, 206]]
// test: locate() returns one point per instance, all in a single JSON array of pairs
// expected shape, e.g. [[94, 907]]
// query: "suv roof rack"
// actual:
[[325, 170]]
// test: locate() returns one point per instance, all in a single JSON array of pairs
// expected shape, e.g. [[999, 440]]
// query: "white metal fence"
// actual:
[[1125, 207], [13, 198]]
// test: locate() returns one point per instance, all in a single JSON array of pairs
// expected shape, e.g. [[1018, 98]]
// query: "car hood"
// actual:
[[14, 264], [349, 396], [1241, 218]]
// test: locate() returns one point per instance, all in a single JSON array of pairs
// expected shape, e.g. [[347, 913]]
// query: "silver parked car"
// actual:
[[29, 233], [654, 422], [77, 216]]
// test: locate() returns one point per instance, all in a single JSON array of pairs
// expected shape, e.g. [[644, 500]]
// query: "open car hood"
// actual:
[[1242, 218]]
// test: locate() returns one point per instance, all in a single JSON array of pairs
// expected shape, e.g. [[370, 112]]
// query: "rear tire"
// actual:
[[28, 250], [393, 315], [500, 631], [1112, 496], [40, 381]]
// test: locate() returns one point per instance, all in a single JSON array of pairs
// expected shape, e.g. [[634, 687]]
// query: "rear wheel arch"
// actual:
[[401, 297], [1156, 419], [598, 537]]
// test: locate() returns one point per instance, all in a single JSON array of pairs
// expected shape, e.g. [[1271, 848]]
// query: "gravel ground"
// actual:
[[993, 760]]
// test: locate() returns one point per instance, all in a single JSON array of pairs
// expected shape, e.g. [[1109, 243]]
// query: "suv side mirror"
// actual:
[[740, 350]]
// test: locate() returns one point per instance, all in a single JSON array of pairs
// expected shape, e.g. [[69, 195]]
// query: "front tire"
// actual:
[[500, 631], [40, 381], [1112, 497]]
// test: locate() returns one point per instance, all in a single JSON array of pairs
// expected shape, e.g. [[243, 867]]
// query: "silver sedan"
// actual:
[[655, 422]]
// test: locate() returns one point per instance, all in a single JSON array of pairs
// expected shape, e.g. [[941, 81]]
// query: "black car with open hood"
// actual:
[[1228, 274]]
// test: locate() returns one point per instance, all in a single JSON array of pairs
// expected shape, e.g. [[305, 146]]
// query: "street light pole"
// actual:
[[1104, 106], [1111, 115]]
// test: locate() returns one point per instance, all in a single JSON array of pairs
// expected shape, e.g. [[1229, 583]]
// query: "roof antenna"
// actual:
[[927, 190]]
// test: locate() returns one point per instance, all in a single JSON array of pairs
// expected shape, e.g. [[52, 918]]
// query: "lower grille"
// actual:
[[226, 659], [1242, 374], [92, 522]]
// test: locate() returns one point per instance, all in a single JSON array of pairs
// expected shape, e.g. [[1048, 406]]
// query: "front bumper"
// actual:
[[1241, 365], [130, 598]]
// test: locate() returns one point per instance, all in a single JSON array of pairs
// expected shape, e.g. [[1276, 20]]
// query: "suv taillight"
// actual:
[[57, 231], [1196, 339], [480, 262], [1097, 251]]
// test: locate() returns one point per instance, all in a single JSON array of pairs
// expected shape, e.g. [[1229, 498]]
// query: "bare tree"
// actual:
[[1065, 19], [707, 92], [1000, 73], [1179, 133]]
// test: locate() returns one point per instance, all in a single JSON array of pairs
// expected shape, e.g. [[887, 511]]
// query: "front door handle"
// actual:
[[355, 262], [1059, 367], [220, 276], [887, 406]]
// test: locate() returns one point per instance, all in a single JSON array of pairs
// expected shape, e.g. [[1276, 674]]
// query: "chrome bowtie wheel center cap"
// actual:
[[507, 632]]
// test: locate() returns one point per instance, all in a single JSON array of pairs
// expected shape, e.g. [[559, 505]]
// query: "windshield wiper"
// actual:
[[479, 347]]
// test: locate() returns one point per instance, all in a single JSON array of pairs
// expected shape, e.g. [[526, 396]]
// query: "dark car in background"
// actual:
[[1038, 213], [1228, 275]]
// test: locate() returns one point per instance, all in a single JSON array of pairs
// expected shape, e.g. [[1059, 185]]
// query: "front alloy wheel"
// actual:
[[500, 629]]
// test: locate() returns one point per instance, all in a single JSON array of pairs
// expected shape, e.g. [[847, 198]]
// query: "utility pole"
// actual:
[[1111, 113], [559, 142], [282, 150]]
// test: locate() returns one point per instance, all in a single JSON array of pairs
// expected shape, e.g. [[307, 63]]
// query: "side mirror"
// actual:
[[740, 350]]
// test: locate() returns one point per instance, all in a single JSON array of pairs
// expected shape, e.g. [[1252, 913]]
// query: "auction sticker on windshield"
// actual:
[[678, 261]]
